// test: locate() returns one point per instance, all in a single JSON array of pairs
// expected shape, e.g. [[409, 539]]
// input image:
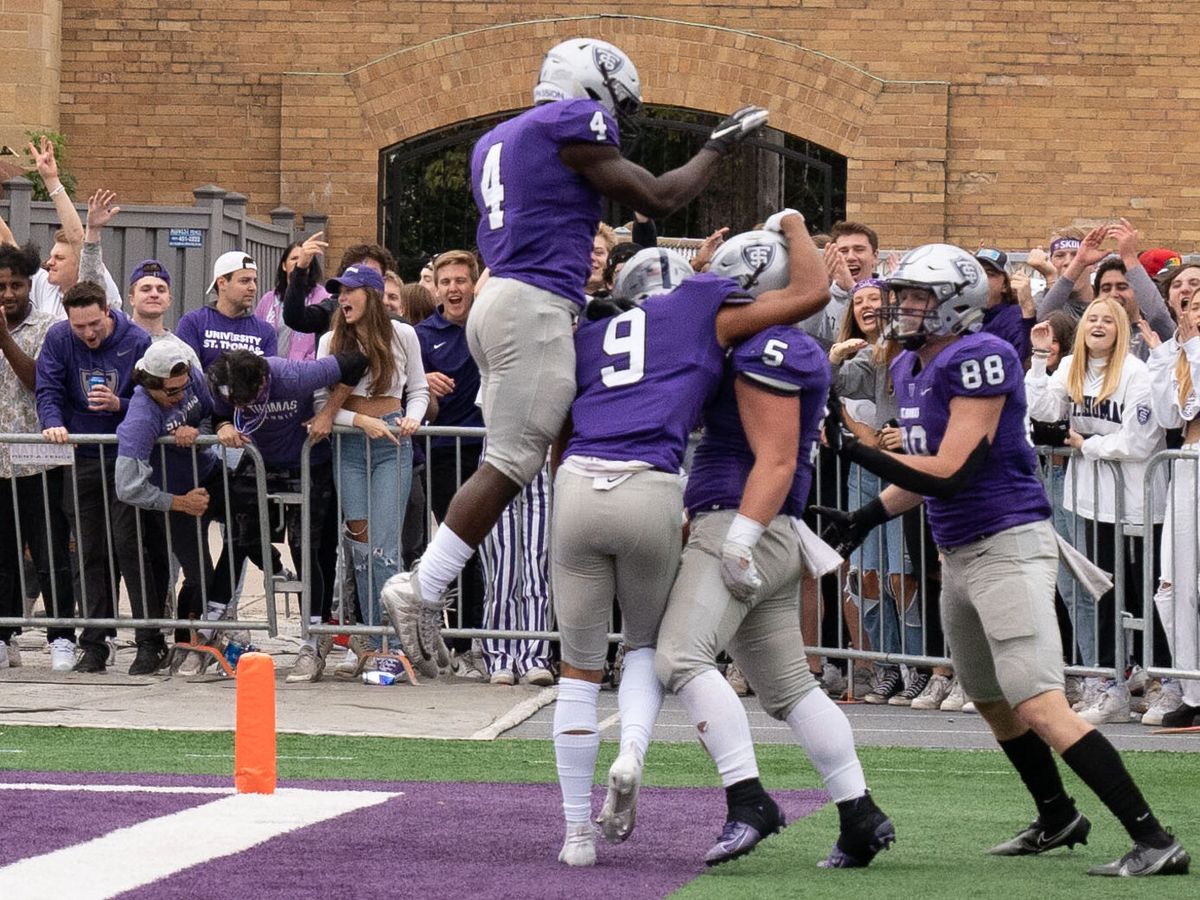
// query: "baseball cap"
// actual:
[[228, 263], [1157, 259], [162, 357], [147, 268], [355, 277], [990, 256]]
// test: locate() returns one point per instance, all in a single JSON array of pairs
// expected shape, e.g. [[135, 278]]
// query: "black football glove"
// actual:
[[736, 128], [846, 531], [353, 365]]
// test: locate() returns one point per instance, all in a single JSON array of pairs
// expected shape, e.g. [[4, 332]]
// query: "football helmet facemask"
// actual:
[[959, 287], [586, 67], [655, 270]]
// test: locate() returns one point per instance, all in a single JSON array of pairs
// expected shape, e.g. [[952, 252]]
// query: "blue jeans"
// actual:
[[374, 478], [1080, 605], [883, 553]]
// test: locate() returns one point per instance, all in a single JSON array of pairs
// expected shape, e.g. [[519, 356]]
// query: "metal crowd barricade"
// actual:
[[343, 625], [1181, 623], [107, 449], [924, 571]]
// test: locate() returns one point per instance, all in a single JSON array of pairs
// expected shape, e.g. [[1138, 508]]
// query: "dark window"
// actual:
[[426, 204]]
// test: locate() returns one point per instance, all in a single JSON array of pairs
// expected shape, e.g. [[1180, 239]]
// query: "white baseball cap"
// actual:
[[228, 263]]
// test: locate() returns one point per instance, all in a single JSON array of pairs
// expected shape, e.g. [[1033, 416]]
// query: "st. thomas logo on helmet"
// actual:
[[758, 256], [607, 61]]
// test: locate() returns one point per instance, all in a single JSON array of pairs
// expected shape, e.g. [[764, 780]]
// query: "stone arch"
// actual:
[[892, 133]]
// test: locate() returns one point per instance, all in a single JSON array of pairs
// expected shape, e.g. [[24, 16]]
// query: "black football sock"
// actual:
[[748, 801], [1031, 757], [1099, 766]]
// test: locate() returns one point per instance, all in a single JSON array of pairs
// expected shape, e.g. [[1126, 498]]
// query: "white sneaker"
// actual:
[[62, 655], [1169, 700], [956, 700], [619, 813], [505, 677], [1138, 680], [579, 846], [969, 707], [863, 682], [308, 665], [349, 667], [832, 681], [937, 690], [1092, 685], [1073, 688], [539, 676], [1111, 705], [469, 665]]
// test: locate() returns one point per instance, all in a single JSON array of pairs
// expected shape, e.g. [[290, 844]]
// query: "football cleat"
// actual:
[[1146, 860], [1038, 839], [739, 836], [619, 813], [865, 830], [401, 597], [579, 845]]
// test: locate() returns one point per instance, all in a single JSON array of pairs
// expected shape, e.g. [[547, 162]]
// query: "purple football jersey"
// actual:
[[538, 218], [1006, 490], [644, 376], [781, 359], [146, 421]]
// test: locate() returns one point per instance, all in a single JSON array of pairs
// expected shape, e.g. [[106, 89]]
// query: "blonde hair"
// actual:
[[605, 233], [1116, 361]]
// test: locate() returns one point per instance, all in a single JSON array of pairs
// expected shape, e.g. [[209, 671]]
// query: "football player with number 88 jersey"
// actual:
[[962, 408], [538, 180], [647, 362]]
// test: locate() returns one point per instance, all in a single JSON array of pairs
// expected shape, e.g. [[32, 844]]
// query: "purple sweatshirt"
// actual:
[[66, 366], [277, 425], [211, 333]]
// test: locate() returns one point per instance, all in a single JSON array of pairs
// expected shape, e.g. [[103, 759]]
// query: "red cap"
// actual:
[[1157, 259]]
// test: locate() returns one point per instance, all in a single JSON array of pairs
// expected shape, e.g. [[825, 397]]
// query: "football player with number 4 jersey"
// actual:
[[538, 180], [962, 410], [739, 582], [647, 361]]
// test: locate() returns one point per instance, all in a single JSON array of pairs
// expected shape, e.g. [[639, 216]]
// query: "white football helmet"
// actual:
[[586, 67], [958, 283], [757, 260], [655, 270]]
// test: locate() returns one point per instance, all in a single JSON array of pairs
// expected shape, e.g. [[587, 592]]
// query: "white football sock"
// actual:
[[440, 564], [721, 725], [825, 734], [639, 699], [575, 754]]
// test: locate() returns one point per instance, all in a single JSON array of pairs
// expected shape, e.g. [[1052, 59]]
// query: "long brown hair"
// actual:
[[373, 335]]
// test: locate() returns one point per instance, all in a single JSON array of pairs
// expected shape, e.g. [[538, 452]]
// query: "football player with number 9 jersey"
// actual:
[[647, 361], [538, 180], [962, 408]]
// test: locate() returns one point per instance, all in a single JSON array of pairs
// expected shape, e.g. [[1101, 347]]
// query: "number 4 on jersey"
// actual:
[[492, 188]]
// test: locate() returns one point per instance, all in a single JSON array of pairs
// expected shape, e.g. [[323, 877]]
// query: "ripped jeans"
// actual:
[[374, 477]]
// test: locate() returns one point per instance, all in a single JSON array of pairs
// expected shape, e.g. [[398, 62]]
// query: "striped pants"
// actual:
[[516, 577]]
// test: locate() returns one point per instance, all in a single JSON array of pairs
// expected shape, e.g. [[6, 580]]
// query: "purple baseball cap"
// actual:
[[147, 268], [356, 276]]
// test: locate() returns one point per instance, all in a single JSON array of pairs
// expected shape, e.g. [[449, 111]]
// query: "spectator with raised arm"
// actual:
[[26, 520], [292, 344], [1010, 311]]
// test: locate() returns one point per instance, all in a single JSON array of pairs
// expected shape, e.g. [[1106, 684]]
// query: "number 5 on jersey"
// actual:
[[492, 188]]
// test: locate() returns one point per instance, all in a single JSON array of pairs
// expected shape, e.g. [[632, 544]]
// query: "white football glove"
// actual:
[[738, 571], [775, 222]]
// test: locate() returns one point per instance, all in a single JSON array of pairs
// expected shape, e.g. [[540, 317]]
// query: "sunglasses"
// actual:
[[173, 392]]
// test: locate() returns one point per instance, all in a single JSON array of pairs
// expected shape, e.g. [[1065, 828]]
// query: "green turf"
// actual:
[[948, 806]]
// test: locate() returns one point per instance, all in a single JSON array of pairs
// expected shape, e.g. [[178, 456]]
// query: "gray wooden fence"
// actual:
[[185, 239]]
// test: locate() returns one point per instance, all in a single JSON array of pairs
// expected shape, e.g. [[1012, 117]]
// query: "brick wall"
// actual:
[[29, 73], [962, 119]]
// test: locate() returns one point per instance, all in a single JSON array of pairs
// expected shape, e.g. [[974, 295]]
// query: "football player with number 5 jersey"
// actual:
[[962, 409], [538, 180], [646, 364]]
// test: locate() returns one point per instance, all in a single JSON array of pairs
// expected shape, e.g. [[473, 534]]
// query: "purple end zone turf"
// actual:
[[438, 839]]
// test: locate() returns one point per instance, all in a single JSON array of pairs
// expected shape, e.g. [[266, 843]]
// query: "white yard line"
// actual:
[[158, 848]]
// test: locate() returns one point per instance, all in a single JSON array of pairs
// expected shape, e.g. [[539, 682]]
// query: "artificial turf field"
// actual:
[[948, 806]]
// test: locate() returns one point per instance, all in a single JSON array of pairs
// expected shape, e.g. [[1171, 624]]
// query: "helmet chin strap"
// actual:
[[631, 132]]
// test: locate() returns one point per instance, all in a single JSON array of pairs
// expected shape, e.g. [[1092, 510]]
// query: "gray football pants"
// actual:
[[622, 542], [763, 636]]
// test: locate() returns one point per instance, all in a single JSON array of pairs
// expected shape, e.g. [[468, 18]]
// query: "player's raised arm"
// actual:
[[620, 179]]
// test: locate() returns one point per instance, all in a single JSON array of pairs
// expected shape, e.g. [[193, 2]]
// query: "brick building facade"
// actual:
[[960, 119]]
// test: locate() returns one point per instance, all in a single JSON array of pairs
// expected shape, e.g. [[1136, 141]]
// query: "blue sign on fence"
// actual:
[[186, 237]]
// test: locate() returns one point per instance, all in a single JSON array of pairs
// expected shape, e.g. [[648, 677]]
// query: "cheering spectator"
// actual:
[[1105, 394], [84, 382], [27, 520], [230, 324], [1010, 311], [291, 344]]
